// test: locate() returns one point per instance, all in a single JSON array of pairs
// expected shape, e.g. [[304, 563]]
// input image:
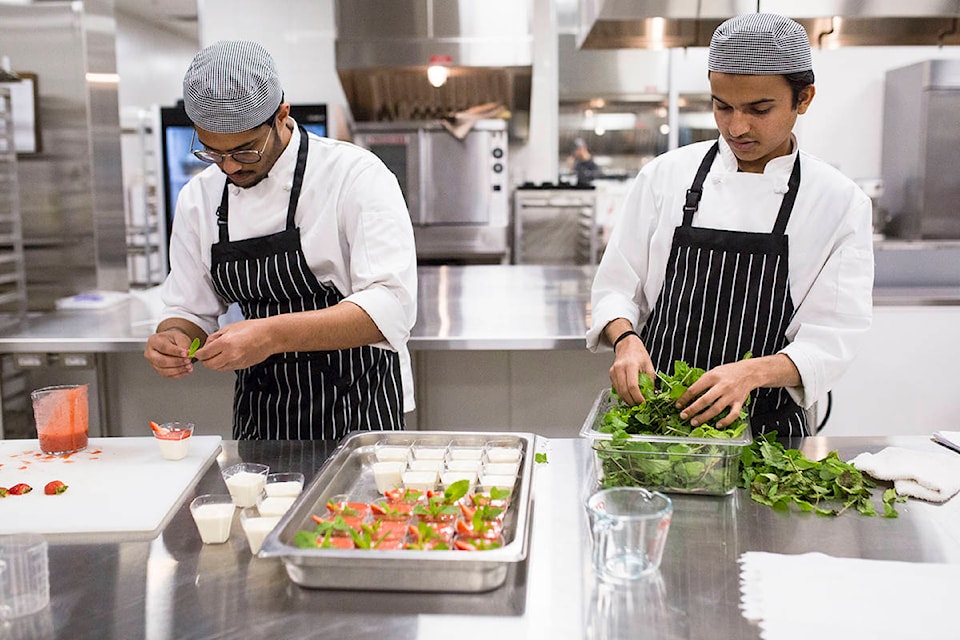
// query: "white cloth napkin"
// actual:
[[852, 598], [918, 474]]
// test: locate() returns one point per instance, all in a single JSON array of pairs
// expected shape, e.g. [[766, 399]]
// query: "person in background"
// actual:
[[583, 163], [743, 245], [311, 238]]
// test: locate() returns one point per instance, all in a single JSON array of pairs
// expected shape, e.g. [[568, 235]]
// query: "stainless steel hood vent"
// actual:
[[658, 24], [383, 49]]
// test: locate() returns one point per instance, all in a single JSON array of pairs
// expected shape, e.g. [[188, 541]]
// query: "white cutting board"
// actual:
[[116, 485]]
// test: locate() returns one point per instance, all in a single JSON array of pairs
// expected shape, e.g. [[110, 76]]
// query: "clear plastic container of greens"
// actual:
[[673, 464]]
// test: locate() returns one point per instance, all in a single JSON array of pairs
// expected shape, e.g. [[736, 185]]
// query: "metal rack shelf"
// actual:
[[13, 288], [145, 235], [555, 226]]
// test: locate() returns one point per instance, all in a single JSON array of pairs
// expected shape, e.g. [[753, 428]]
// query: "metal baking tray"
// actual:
[[347, 471]]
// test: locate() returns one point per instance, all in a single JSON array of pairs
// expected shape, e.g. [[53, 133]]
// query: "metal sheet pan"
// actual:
[[347, 472]]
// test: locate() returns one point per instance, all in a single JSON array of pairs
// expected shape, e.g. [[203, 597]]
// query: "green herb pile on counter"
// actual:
[[777, 477], [694, 467]]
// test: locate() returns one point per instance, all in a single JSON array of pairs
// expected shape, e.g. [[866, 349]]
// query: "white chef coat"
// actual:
[[830, 244], [355, 232]]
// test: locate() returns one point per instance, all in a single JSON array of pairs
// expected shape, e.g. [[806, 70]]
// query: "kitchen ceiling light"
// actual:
[[437, 75]]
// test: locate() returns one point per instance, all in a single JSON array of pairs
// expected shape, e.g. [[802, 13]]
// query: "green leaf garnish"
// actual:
[[193, 347]]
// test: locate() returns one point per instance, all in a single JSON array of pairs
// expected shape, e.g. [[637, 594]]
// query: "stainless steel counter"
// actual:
[[464, 307], [477, 307], [175, 587]]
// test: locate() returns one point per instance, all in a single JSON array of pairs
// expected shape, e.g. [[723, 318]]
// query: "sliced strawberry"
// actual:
[[54, 488], [20, 489], [463, 545]]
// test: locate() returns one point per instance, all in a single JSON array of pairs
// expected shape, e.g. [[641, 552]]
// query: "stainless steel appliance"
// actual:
[[555, 224], [456, 189], [658, 24], [921, 150]]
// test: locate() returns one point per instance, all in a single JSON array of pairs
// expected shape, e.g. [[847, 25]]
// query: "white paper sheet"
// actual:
[[949, 439], [812, 595]]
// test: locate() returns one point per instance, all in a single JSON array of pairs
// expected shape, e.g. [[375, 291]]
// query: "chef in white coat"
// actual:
[[746, 244], [311, 238]]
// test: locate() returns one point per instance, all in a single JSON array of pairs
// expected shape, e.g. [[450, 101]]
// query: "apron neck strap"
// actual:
[[298, 176], [224, 209], [695, 192], [786, 207]]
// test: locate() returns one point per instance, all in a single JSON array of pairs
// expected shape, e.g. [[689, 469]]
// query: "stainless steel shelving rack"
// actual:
[[555, 226], [13, 288], [13, 282], [146, 233]]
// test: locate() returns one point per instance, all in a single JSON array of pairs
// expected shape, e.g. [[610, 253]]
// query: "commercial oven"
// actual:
[[456, 186]]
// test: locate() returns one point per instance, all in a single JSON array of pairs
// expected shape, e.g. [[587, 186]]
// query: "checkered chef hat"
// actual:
[[231, 86], [759, 44]]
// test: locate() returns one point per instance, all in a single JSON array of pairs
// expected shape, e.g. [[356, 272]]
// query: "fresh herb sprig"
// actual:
[[779, 477]]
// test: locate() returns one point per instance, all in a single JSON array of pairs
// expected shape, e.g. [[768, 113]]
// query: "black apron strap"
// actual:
[[222, 215], [695, 191], [297, 177], [786, 207]]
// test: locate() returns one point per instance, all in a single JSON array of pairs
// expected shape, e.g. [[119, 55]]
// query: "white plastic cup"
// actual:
[[256, 526], [285, 484], [246, 482], [24, 575], [173, 438], [628, 530], [213, 515]]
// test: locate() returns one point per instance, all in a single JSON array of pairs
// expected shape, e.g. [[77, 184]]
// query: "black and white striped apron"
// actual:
[[727, 293], [302, 395]]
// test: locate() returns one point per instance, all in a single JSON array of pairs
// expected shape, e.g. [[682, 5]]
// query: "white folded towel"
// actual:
[[849, 600], [918, 474]]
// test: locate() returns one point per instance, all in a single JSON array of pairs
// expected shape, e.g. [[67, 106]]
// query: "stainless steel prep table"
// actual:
[[473, 308], [537, 307], [476, 307], [174, 587]]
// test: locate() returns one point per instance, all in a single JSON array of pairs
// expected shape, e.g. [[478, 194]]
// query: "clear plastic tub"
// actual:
[[672, 464]]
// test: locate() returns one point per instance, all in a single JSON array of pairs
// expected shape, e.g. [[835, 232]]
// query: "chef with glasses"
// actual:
[[744, 256], [311, 238]]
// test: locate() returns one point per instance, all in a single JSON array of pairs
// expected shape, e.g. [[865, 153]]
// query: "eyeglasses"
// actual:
[[243, 156]]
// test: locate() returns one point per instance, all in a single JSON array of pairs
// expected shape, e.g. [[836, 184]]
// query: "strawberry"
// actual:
[[156, 427], [54, 488], [20, 489]]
